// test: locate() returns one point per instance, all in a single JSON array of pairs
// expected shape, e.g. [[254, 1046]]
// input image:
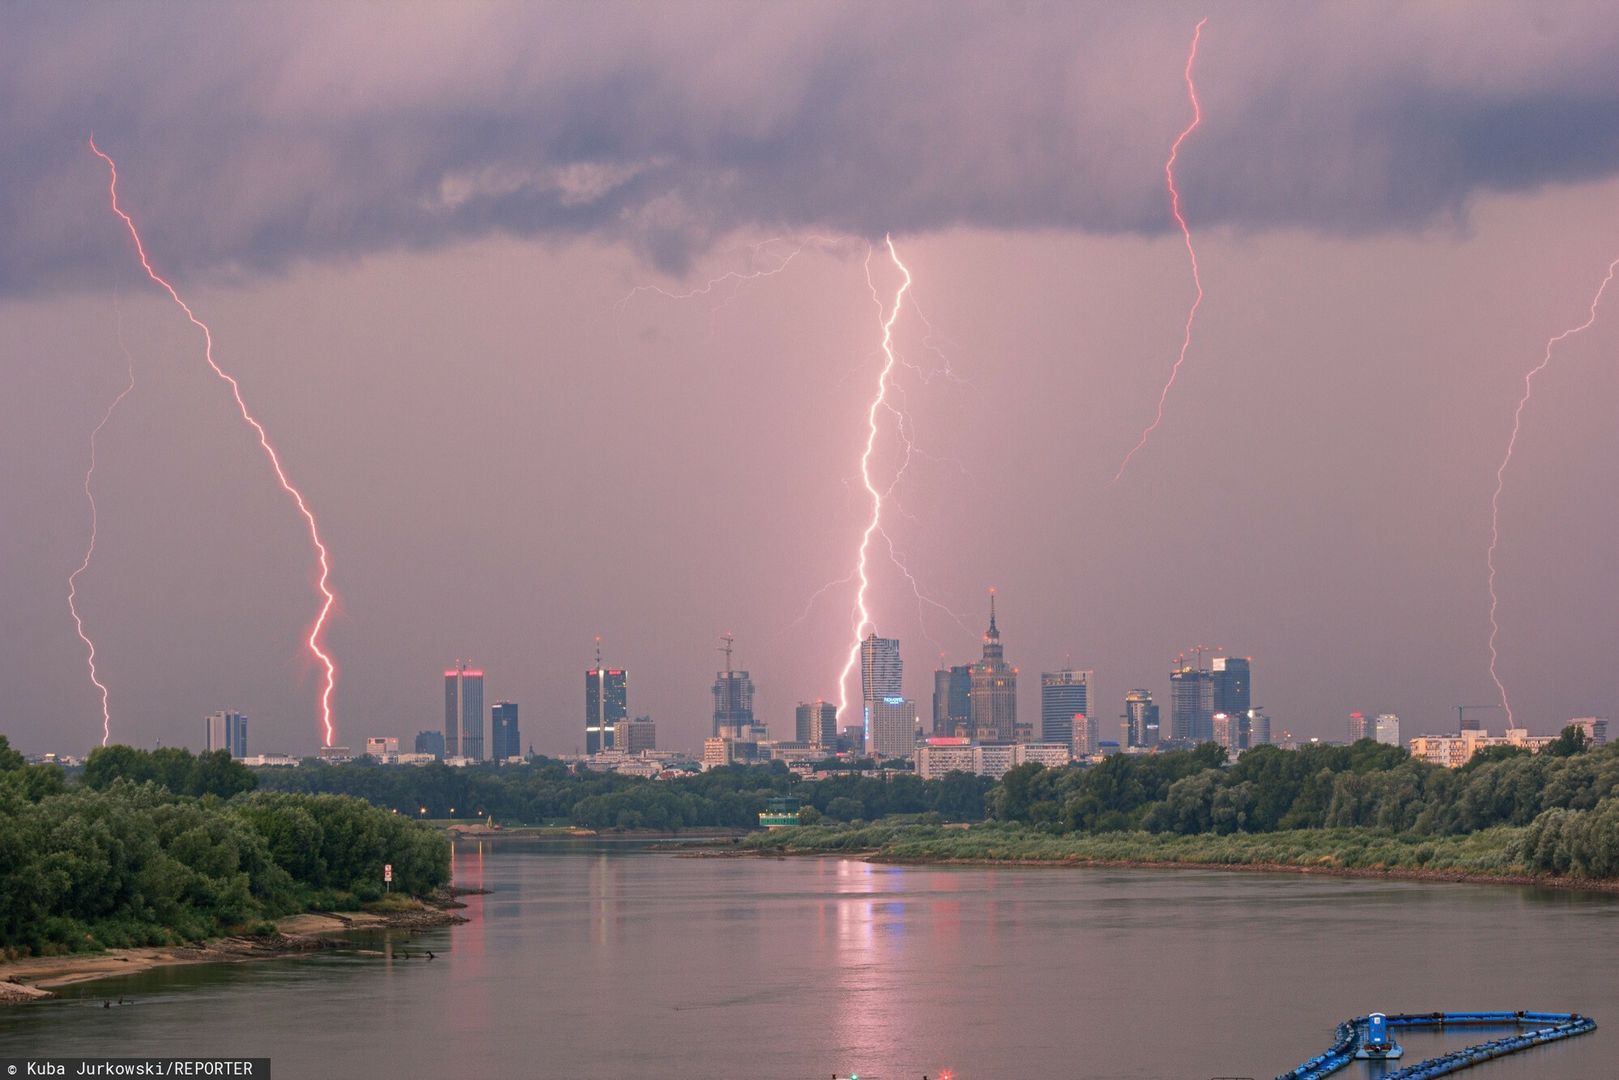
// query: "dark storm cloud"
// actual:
[[252, 137]]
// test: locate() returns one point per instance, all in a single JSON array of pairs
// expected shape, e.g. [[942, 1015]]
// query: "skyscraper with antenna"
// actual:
[[606, 703]]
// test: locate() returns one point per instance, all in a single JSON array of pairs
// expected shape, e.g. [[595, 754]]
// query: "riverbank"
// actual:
[[1487, 857], [574, 832], [1394, 873], [34, 978]]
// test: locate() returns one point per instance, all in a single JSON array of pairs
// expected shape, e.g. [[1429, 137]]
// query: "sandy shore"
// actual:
[[34, 978]]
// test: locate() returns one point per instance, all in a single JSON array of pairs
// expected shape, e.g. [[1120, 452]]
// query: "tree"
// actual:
[[1569, 742], [9, 758], [844, 808]]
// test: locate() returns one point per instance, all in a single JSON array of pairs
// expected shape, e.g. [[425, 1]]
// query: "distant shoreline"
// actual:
[[1344, 853], [35, 978], [575, 832], [1414, 873]]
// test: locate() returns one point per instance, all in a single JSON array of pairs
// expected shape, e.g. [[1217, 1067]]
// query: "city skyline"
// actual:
[[1204, 693], [550, 288]]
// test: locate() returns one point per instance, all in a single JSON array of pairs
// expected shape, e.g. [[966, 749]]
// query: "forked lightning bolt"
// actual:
[[328, 598], [1191, 252], [879, 402], [1501, 472], [90, 550]]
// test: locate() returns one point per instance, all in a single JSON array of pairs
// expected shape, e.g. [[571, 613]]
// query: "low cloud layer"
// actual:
[[252, 137]]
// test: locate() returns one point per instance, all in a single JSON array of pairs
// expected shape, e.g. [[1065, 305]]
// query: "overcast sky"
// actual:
[[424, 236]]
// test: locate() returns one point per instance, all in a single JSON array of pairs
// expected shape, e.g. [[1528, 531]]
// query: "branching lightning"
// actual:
[[1191, 252], [1506, 459], [90, 550], [328, 598], [879, 401]]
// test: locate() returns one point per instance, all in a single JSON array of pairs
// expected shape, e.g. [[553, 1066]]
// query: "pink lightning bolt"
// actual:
[[328, 597], [1191, 253], [89, 551], [878, 401], [1500, 473]]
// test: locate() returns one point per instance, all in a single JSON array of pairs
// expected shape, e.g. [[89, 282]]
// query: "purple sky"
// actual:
[[417, 234]]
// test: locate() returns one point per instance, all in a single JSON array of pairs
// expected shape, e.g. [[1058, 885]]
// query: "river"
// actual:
[[600, 961]]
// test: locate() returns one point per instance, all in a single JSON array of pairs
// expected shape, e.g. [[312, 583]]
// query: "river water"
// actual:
[[612, 961]]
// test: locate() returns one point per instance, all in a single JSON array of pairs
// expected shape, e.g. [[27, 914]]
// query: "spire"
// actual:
[[993, 655]]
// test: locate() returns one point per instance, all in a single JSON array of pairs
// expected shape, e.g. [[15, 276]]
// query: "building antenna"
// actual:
[[598, 652], [726, 649]]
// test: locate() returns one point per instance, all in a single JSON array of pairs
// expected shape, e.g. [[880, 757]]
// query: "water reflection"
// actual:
[[598, 963], [605, 883]]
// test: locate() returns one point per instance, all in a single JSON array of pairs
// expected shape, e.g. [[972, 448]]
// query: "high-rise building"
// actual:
[[1140, 719], [634, 736], [1387, 729], [1359, 727], [1227, 731], [881, 670], [1191, 704], [226, 731], [1258, 728], [893, 728], [881, 677], [952, 701], [504, 740], [1085, 735], [606, 703], [733, 700], [816, 724], [1595, 728], [1233, 684], [992, 699], [430, 742], [463, 712], [1063, 695]]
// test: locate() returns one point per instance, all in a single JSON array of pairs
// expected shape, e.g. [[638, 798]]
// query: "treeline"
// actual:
[[1495, 852], [124, 859], [1268, 789], [1561, 805], [549, 792], [1360, 807]]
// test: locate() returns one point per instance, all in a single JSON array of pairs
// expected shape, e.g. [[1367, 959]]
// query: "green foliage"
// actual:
[[1578, 843], [1570, 741], [1489, 852], [547, 791], [172, 767], [127, 863], [10, 759], [1367, 785], [1336, 792]]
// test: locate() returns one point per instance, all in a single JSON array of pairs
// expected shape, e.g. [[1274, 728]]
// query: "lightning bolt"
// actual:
[[90, 550], [1191, 252], [328, 598], [879, 402], [1506, 459]]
